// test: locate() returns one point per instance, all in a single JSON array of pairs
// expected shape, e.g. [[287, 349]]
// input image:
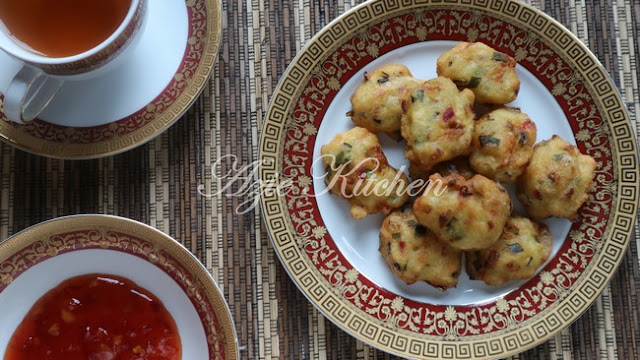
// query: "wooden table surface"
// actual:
[[158, 184]]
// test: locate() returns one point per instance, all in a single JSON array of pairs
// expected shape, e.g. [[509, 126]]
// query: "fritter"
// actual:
[[413, 253], [557, 180], [377, 102], [467, 214], [438, 123], [521, 249], [476, 66], [358, 171], [502, 144]]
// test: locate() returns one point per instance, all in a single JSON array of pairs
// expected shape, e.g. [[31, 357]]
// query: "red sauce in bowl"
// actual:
[[96, 317]]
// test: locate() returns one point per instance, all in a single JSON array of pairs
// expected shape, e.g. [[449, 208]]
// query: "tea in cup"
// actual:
[[61, 40]]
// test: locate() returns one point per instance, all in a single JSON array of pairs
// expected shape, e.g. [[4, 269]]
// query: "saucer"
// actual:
[[156, 81]]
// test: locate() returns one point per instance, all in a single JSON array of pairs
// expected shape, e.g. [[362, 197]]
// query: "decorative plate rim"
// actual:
[[46, 230], [146, 122], [278, 222]]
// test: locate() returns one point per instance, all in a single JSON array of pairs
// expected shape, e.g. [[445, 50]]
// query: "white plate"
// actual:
[[334, 260], [359, 240]]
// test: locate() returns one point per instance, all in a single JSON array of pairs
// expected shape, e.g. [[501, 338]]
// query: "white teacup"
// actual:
[[40, 77]]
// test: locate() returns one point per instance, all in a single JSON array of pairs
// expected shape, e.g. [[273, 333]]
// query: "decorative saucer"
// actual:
[[154, 84]]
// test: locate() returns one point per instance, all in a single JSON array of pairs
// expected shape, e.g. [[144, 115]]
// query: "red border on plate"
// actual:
[[557, 76]]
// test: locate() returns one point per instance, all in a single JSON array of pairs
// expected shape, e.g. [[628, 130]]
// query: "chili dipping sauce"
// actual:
[[96, 317]]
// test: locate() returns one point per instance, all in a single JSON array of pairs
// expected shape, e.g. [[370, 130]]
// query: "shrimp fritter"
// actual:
[[502, 144], [489, 73], [521, 249], [413, 253], [377, 102], [467, 214], [358, 170], [557, 180], [438, 123]]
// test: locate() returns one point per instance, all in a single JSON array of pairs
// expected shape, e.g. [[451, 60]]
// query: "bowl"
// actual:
[[39, 258]]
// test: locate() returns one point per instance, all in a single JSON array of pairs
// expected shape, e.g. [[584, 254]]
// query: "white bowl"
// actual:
[[39, 258]]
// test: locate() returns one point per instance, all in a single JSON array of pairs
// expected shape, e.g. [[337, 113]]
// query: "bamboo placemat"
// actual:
[[159, 184]]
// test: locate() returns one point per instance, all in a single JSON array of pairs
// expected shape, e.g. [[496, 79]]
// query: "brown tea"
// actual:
[[61, 28]]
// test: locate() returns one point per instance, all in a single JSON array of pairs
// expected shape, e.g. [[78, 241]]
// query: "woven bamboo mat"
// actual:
[[158, 184]]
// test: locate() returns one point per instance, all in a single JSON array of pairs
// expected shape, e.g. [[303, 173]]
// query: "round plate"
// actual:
[[333, 259], [155, 82], [41, 257]]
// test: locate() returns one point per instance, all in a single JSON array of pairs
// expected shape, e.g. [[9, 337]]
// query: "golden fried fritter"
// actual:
[[468, 214], [413, 253], [521, 249], [502, 144], [438, 123], [489, 73], [557, 180], [358, 171], [377, 102]]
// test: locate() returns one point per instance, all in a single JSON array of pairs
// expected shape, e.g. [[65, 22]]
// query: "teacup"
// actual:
[[41, 76]]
